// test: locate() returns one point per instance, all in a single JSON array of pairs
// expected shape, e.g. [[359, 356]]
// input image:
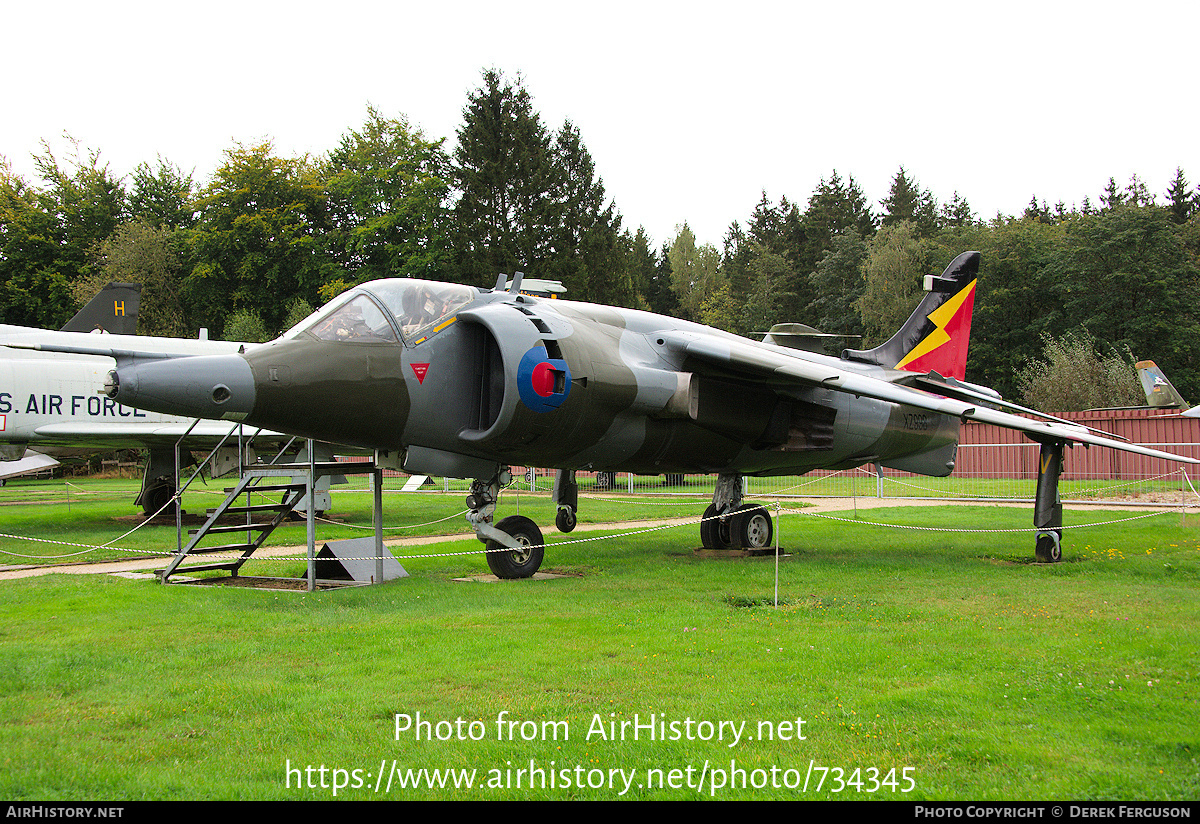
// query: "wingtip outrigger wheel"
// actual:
[[1047, 506], [566, 519], [1048, 548]]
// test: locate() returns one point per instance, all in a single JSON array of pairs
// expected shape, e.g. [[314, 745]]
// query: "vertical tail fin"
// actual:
[[935, 337], [114, 309], [1160, 393]]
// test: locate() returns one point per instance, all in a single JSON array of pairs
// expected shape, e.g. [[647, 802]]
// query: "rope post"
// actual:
[[778, 528], [1184, 480]]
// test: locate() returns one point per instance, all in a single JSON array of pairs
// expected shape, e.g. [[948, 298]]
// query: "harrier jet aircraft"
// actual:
[[453, 380]]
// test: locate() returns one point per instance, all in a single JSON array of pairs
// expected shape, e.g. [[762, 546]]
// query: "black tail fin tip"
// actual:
[[961, 272], [964, 267], [114, 309]]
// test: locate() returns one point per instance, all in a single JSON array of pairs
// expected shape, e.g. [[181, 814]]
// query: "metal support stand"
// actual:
[[297, 482], [310, 515], [377, 502], [1047, 506]]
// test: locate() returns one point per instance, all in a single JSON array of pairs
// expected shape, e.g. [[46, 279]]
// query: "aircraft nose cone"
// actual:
[[209, 386]]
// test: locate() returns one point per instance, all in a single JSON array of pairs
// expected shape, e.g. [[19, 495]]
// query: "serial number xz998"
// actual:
[[918, 422]]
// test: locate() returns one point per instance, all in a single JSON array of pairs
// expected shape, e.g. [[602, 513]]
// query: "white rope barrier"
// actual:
[[780, 510]]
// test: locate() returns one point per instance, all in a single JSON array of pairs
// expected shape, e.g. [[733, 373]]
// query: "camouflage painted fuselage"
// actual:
[[450, 380], [515, 380]]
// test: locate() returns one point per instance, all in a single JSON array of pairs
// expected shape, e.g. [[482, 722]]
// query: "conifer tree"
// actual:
[[907, 201], [1181, 202], [509, 209]]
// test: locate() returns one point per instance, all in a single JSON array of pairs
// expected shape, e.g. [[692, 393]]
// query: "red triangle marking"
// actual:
[[420, 370]]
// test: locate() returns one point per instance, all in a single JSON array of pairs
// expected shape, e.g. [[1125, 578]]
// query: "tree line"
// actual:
[[267, 238]]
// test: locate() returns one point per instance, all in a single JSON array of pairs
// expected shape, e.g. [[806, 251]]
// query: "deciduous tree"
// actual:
[[388, 188], [896, 262], [1072, 376], [258, 241], [163, 196], [48, 234], [1128, 279], [137, 252]]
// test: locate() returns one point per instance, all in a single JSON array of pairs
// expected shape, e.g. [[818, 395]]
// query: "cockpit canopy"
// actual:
[[378, 311]]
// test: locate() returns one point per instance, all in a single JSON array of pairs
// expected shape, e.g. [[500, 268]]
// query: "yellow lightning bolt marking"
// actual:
[[940, 316]]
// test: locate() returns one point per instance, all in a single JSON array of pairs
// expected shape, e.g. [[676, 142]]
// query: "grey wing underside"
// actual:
[[771, 366]]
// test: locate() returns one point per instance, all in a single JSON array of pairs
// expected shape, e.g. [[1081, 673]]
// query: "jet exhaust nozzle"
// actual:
[[209, 386]]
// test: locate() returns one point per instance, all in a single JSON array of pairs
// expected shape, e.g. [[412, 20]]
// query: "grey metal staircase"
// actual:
[[261, 521]]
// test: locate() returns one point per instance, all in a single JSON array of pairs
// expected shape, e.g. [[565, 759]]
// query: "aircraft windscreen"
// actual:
[[420, 305], [358, 321]]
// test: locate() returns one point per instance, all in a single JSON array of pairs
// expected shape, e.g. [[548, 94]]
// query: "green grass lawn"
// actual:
[[923, 665]]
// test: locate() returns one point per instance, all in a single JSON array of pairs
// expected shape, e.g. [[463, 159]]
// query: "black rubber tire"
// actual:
[[565, 520], [714, 532], [155, 498], [1048, 548], [751, 527], [511, 563]]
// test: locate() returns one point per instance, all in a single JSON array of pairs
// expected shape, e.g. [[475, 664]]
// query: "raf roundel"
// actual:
[[542, 382]]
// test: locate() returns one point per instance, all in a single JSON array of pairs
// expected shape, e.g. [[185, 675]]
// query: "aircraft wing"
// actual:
[[752, 360], [116, 354], [107, 429], [32, 462]]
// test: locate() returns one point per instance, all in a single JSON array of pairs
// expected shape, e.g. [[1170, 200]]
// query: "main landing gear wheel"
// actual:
[[714, 531], [1048, 548], [156, 497], [516, 563], [750, 527]]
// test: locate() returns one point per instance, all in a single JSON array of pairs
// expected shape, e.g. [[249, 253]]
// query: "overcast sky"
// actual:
[[690, 110]]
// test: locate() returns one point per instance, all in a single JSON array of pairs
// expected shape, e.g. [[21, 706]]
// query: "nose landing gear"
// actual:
[[514, 545]]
